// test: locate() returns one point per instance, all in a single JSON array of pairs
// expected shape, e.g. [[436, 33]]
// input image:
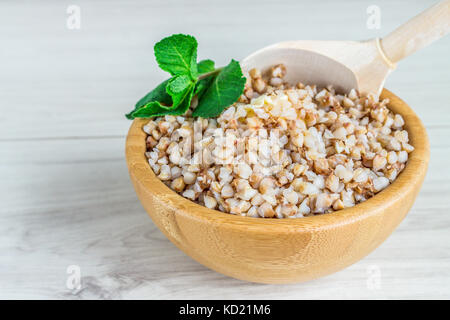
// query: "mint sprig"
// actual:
[[177, 55], [216, 89], [205, 66], [178, 88], [223, 91]]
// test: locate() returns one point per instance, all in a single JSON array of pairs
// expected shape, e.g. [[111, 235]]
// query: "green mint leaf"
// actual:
[[160, 94], [144, 111], [216, 89], [202, 85], [178, 88], [177, 55], [154, 109], [205, 66], [224, 90], [157, 94], [130, 116]]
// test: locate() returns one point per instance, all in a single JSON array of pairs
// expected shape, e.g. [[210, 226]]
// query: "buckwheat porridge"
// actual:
[[281, 151]]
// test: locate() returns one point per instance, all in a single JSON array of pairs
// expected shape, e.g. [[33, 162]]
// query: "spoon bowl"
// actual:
[[311, 62]]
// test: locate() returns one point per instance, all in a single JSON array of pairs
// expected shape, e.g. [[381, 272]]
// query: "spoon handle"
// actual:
[[418, 32]]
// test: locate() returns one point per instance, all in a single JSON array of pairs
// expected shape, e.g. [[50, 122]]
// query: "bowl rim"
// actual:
[[407, 181]]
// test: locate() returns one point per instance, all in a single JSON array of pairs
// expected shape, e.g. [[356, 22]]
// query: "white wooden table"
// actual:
[[65, 195]]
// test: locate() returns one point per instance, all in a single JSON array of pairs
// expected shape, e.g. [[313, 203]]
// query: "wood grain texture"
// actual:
[[274, 250], [66, 197]]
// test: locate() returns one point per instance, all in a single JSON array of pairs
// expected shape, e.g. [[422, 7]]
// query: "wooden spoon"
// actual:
[[363, 65]]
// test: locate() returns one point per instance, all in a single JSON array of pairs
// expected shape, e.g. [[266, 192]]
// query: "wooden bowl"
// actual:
[[280, 250]]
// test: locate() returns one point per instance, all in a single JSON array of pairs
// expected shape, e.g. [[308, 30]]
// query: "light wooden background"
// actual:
[[65, 195]]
